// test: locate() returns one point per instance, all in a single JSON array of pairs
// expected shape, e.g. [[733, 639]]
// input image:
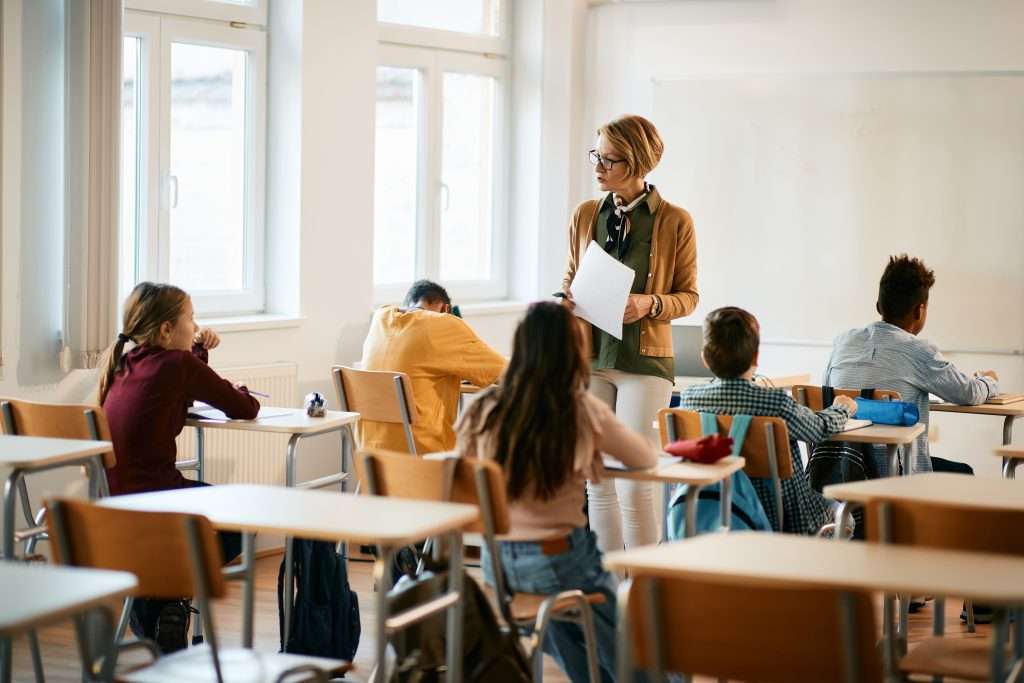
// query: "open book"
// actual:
[[854, 423]]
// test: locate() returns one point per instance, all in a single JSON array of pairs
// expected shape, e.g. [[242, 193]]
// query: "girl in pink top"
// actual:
[[547, 432]]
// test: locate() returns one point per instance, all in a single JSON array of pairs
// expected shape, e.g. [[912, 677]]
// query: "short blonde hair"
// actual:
[[637, 140]]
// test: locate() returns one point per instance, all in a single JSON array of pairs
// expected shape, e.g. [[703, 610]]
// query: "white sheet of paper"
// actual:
[[664, 460], [853, 423], [601, 289], [205, 412]]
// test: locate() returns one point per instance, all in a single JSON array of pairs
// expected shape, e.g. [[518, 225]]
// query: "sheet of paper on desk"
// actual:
[[854, 423], [205, 412], [664, 460], [601, 289]]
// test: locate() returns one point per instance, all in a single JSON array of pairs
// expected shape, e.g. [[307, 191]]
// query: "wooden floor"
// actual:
[[61, 656]]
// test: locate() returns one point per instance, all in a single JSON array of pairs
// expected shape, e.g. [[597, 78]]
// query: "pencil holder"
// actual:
[[316, 404]]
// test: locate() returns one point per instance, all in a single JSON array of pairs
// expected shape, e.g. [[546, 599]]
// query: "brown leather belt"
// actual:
[[555, 546]]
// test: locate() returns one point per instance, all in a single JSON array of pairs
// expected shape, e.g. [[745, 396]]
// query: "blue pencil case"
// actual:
[[898, 413]]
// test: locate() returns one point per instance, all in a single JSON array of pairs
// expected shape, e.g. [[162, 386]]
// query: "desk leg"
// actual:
[[893, 453], [692, 492], [382, 581], [666, 498], [200, 454], [841, 516], [454, 654], [289, 460], [248, 586], [1009, 464], [6, 665], [10, 498], [287, 591], [726, 510], [1010, 467], [999, 633]]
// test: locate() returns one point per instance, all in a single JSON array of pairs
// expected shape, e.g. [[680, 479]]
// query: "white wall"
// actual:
[[631, 45]]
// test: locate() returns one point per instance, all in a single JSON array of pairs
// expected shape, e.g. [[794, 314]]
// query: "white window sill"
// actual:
[[482, 308], [250, 323]]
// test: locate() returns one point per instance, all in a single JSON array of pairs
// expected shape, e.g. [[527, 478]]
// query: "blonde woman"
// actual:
[[634, 375]]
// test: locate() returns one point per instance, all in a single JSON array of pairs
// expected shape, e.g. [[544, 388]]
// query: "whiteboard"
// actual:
[[801, 187]]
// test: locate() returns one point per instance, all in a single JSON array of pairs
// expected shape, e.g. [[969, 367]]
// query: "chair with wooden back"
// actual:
[[172, 555], [810, 396], [56, 421], [444, 477], [378, 396], [745, 632], [950, 526], [766, 448]]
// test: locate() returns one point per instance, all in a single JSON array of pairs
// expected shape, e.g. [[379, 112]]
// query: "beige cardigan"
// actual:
[[673, 269]]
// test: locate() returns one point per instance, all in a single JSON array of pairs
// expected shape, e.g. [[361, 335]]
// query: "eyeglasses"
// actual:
[[606, 163]]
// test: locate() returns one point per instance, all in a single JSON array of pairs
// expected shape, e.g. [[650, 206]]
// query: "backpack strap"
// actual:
[[738, 430]]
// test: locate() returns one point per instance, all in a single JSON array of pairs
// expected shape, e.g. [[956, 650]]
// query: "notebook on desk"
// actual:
[[202, 411], [1003, 399], [664, 459], [854, 423]]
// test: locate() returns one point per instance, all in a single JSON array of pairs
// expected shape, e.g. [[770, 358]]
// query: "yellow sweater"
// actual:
[[438, 351]]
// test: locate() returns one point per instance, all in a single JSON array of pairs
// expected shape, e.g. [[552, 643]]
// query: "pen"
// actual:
[[257, 393], [560, 295]]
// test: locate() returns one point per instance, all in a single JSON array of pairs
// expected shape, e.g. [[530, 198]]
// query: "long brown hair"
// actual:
[[148, 307], [534, 420]]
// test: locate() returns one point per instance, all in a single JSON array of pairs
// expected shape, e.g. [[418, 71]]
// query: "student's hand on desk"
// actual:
[[988, 373], [207, 338], [847, 402], [637, 306]]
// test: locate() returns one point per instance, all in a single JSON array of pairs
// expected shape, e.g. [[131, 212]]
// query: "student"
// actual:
[[732, 338], [547, 432], [888, 354], [145, 394], [438, 351]]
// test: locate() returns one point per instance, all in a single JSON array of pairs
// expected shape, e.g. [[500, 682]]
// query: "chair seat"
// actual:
[[967, 658], [525, 606], [237, 664]]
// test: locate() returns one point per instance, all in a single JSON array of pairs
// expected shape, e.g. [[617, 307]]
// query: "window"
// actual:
[[193, 124], [439, 209]]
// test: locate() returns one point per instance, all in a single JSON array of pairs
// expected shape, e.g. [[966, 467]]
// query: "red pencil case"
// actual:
[[706, 450]]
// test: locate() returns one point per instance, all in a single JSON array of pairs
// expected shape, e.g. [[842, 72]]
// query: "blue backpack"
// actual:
[[747, 512]]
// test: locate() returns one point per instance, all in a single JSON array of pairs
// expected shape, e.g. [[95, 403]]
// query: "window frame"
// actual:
[[252, 12], [158, 33], [432, 63]]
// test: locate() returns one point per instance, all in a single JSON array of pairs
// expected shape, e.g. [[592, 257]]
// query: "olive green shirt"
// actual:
[[624, 355]]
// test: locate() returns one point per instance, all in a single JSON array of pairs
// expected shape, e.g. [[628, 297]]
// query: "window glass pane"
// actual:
[[131, 180], [397, 159], [467, 174], [208, 162], [465, 16]]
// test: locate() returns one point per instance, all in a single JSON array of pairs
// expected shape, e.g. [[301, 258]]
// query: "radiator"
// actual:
[[235, 456]]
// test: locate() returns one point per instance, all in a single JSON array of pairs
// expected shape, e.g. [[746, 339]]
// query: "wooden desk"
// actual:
[[1011, 458], [783, 560], [940, 487], [671, 470], [884, 435], [36, 595], [327, 516], [293, 421], [1008, 411], [26, 454]]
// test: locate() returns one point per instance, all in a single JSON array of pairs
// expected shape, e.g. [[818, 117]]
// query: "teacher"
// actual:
[[634, 375]]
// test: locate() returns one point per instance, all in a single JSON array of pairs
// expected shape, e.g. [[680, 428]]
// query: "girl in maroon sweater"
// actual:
[[147, 391], [146, 394]]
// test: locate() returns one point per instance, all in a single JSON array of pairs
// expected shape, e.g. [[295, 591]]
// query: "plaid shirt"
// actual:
[[804, 509]]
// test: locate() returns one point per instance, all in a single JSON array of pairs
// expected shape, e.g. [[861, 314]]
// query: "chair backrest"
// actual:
[[57, 421], [810, 395], [439, 477], [375, 395], [687, 425], [155, 546], [746, 632], [945, 526]]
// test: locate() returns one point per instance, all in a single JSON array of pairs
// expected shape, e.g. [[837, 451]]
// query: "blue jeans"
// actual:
[[529, 570]]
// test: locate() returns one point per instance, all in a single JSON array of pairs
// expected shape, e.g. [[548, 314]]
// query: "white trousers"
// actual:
[[622, 513]]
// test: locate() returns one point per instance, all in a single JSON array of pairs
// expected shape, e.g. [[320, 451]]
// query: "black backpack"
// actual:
[[840, 462], [491, 652], [325, 618]]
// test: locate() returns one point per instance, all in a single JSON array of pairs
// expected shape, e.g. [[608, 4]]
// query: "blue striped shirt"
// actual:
[[883, 356]]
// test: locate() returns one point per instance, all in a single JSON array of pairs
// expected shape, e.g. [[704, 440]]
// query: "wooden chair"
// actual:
[[378, 396], [57, 421], [766, 448], [445, 477], [172, 555], [810, 395], [949, 526], [755, 632]]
